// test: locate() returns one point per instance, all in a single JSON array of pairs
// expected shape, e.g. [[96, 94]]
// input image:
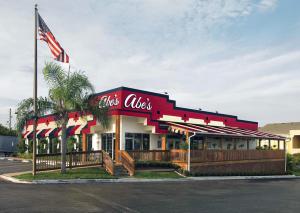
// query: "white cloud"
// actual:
[[265, 5]]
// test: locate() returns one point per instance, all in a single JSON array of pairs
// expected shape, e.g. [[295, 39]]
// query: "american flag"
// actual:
[[46, 35]]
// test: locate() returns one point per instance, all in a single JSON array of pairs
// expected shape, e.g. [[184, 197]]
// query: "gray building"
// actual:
[[8, 144]]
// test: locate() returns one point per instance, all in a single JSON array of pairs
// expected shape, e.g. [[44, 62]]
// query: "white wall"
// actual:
[[96, 141], [154, 138], [98, 130], [135, 125]]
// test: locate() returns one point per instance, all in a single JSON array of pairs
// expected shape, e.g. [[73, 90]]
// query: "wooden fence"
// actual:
[[73, 159], [205, 155]]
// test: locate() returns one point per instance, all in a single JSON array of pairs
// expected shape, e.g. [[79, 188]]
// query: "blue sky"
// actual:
[[239, 57]]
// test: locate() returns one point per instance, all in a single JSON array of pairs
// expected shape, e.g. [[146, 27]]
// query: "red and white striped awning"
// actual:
[[181, 128]]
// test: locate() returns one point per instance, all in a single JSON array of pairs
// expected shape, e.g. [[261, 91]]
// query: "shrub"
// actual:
[[184, 145], [21, 146], [147, 164], [43, 146], [55, 142], [290, 163], [30, 146], [70, 144], [296, 158]]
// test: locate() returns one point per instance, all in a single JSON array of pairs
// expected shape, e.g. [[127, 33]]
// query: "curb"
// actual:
[[270, 177], [16, 159], [14, 180], [138, 180]]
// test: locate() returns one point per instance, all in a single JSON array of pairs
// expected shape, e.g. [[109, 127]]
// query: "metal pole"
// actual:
[[189, 151], [285, 156], [35, 92]]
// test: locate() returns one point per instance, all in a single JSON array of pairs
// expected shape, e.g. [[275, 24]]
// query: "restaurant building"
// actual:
[[144, 122]]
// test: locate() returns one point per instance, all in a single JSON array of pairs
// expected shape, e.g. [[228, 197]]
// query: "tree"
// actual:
[[68, 91], [6, 131]]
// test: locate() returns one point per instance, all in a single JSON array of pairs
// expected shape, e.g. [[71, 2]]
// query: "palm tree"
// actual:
[[68, 91], [25, 111]]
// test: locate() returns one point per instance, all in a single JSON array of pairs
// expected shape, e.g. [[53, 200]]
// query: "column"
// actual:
[[27, 145], [37, 146], [164, 142], [259, 143], [278, 144], [84, 142], [84, 145], [269, 144], [48, 146], [247, 144], [117, 145]]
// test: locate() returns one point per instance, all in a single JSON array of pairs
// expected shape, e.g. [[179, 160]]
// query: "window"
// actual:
[[173, 141], [107, 142], [137, 141], [159, 144], [197, 142], [89, 142], [146, 141], [296, 142]]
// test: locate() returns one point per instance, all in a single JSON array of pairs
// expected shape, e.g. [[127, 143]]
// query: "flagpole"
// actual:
[[35, 92]]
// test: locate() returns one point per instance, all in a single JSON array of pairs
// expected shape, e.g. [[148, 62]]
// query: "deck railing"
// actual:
[[150, 155], [73, 159], [201, 156], [128, 162], [108, 163], [180, 156]]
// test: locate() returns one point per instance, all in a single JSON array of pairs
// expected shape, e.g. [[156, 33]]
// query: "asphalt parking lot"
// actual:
[[7, 166], [228, 196]]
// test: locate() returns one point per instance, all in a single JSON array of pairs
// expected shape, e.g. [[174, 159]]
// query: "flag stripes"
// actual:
[[46, 35]]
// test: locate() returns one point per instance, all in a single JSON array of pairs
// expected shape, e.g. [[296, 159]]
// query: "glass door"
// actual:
[[108, 140]]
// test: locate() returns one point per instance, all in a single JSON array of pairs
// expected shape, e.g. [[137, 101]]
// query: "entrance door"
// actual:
[[108, 143]]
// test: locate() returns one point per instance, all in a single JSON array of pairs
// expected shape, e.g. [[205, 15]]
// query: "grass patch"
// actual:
[[79, 173], [296, 172], [24, 155], [156, 175]]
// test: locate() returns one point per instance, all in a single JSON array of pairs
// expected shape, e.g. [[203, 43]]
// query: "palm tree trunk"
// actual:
[[63, 145]]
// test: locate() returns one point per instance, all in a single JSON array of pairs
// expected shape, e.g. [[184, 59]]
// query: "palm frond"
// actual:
[[78, 88], [101, 113], [54, 74], [25, 110]]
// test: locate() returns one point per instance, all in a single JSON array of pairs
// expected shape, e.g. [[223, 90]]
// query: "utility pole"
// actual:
[[9, 119]]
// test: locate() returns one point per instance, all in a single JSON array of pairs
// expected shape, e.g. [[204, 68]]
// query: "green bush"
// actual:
[[43, 146], [30, 146], [21, 146], [290, 163], [296, 158], [147, 164], [70, 144], [25, 155], [184, 146], [55, 141]]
